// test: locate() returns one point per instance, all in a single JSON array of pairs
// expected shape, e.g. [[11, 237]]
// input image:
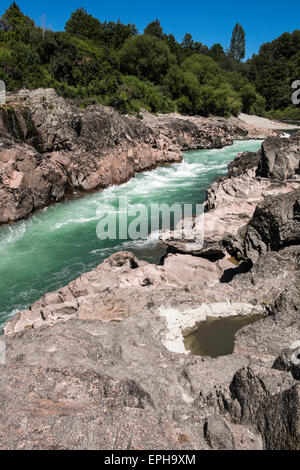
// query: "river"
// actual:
[[59, 243]]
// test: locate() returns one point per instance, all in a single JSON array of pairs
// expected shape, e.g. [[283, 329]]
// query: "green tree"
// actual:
[[115, 34], [207, 89], [274, 68], [23, 68], [112, 34], [238, 43], [174, 81], [84, 25], [174, 46], [203, 67], [253, 103], [188, 43], [216, 52], [13, 19], [76, 61], [154, 29], [146, 57], [200, 48], [18, 26], [184, 105]]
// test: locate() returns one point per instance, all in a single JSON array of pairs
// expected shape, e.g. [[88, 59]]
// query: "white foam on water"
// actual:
[[59, 243], [151, 241], [11, 234]]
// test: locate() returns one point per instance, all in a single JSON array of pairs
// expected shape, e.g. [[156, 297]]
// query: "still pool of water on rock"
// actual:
[[215, 336], [58, 244]]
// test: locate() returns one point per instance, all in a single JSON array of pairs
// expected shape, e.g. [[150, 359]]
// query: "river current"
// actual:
[[59, 243]]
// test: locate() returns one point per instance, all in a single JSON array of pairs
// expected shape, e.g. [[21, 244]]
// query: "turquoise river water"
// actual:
[[59, 243]]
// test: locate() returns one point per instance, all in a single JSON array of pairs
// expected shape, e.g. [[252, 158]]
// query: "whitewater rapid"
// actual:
[[59, 243]]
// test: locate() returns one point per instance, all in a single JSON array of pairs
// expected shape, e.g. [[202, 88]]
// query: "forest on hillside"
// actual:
[[113, 64]]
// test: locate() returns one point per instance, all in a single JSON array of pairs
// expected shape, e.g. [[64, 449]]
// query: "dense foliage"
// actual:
[[112, 64], [274, 69]]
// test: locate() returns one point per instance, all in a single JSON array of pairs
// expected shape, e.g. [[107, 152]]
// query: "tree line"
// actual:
[[112, 64]]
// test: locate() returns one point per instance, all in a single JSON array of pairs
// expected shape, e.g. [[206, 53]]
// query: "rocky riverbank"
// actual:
[[267, 123], [101, 364], [50, 150]]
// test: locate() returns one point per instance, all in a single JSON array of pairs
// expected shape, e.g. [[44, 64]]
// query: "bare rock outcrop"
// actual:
[[28, 179], [112, 386], [121, 286], [87, 385], [269, 401], [275, 225], [280, 158], [289, 360]]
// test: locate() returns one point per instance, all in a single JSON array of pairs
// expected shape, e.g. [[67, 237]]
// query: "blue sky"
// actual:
[[208, 21]]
